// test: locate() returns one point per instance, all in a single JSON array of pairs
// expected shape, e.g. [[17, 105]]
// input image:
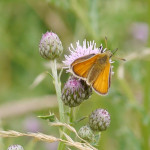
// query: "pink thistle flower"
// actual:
[[81, 50], [75, 92], [50, 46], [99, 120], [87, 48], [15, 147], [139, 31]]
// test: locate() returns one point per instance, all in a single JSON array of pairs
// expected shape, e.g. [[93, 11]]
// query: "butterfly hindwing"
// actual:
[[102, 83]]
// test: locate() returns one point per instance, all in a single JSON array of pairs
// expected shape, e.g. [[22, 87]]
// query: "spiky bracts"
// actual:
[[75, 92], [99, 120], [50, 46]]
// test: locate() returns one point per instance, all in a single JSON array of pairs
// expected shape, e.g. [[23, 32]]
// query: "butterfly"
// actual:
[[95, 69]]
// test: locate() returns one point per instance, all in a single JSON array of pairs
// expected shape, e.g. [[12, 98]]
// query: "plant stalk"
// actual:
[[71, 115], [57, 84]]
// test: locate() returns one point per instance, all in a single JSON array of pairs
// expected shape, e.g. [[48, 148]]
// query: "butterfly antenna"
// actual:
[[106, 41], [114, 51], [120, 58]]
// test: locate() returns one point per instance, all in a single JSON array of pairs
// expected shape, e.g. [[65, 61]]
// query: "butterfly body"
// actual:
[[95, 69]]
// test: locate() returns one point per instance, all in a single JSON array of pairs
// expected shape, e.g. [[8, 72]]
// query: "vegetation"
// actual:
[[125, 24]]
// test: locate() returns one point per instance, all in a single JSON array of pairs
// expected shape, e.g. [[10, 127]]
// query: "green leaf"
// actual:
[[51, 117]]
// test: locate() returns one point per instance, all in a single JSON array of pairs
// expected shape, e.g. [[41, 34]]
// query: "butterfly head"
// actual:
[[109, 53]]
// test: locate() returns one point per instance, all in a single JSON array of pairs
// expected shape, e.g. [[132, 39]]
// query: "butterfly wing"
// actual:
[[81, 59], [102, 83], [81, 66]]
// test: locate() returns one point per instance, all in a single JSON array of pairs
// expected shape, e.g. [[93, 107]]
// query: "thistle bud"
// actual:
[[99, 120], [75, 92], [86, 133], [15, 147], [50, 46]]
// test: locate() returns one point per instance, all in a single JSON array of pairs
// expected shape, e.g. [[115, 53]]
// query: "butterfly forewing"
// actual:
[[82, 66], [95, 69], [81, 59]]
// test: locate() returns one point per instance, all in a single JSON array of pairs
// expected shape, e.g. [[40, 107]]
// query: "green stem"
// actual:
[[145, 120], [81, 14], [99, 141], [71, 115], [57, 84], [146, 135], [58, 90]]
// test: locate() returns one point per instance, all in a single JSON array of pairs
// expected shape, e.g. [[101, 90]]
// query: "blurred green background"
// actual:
[[125, 23]]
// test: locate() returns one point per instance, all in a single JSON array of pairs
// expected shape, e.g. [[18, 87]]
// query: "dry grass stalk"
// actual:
[[39, 136], [38, 80], [73, 130], [80, 146], [27, 105], [138, 55], [134, 55], [47, 138]]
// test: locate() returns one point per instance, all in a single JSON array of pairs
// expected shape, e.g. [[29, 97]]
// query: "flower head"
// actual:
[[99, 120], [140, 31], [79, 51], [31, 124], [50, 46], [86, 133], [75, 92], [15, 147]]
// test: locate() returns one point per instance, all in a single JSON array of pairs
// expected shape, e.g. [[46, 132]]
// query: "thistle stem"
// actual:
[[99, 140], [57, 84], [145, 122], [71, 115]]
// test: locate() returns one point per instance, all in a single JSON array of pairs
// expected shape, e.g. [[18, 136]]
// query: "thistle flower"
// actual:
[[86, 133], [31, 124], [75, 92], [15, 147], [50, 46], [99, 120], [79, 51], [139, 31]]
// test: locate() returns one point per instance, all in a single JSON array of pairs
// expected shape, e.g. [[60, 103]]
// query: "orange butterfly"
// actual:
[[95, 69]]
